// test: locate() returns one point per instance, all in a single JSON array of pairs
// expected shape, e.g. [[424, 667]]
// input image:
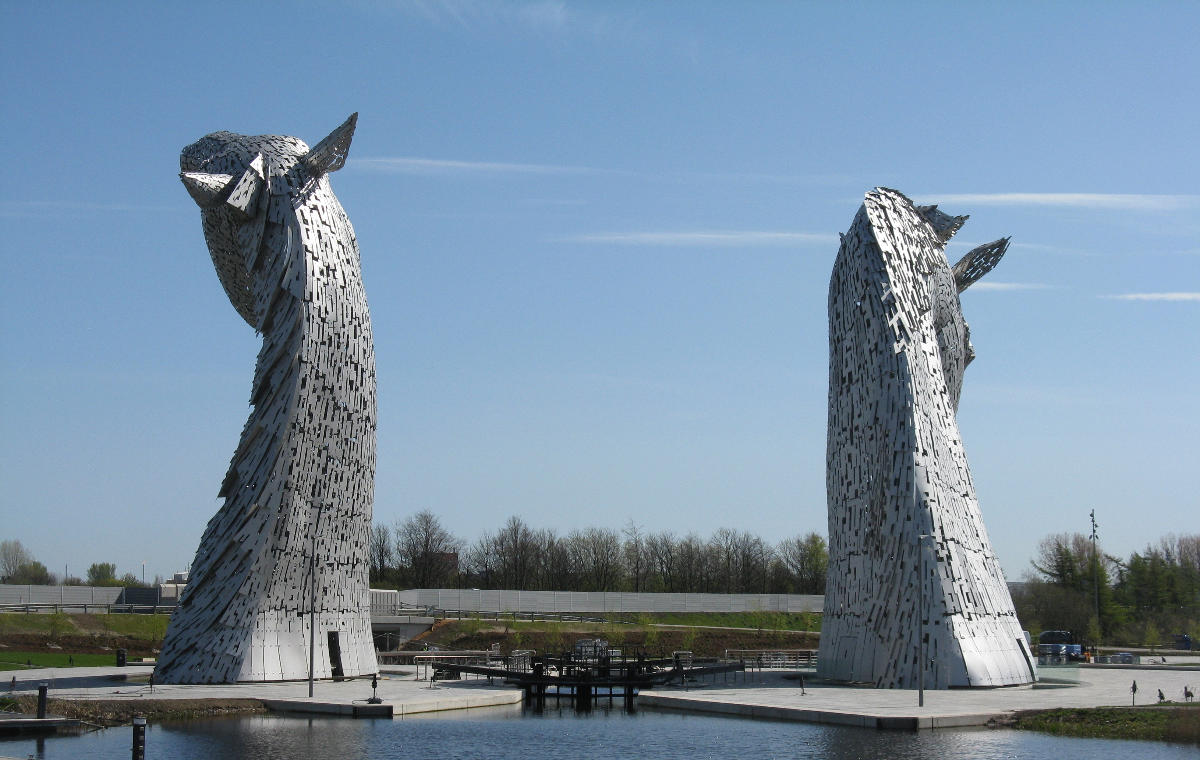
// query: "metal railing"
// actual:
[[89, 607], [774, 658], [603, 602]]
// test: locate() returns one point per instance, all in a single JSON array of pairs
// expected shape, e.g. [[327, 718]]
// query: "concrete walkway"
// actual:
[[401, 693], [764, 694], [770, 695]]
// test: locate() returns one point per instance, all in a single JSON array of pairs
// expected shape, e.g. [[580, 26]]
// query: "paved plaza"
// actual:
[[776, 696], [398, 688], [757, 694]]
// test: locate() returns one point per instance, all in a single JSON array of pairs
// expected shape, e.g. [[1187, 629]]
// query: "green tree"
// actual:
[[1161, 584], [807, 561], [32, 572], [102, 574], [1070, 577]]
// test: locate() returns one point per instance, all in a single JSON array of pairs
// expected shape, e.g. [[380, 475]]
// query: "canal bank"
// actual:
[[113, 695], [778, 696], [764, 694]]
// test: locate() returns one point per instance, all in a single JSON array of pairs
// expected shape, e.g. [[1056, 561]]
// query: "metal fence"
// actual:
[[552, 602]]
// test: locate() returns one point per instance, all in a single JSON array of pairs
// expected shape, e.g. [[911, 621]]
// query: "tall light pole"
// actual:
[[312, 603], [1095, 570], [921, 618]]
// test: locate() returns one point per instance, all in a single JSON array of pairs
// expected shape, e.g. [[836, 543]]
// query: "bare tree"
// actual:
[[636, 560], [481, 562], [554, 570], [663, 555], [753, 563], [516, 552], [723, 547], [695, 572], [13, 555], [807, 561], [596, 556], [428, 551], [381, 551]]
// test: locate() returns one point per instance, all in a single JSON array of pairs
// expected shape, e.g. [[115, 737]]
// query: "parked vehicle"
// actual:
[[1059, 644], [1183, 641]]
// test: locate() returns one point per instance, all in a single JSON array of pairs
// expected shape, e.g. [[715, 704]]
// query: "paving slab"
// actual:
[[770, 695], [401, 693]]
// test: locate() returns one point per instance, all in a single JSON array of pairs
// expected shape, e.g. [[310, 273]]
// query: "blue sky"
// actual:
[[596, 241]]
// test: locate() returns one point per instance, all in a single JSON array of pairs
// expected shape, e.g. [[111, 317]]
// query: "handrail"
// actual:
[[86, 607], [774, 658]]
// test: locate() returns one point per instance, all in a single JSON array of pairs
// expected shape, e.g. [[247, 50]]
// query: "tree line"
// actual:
[[1143, 599], [418, 552], [18, 566]]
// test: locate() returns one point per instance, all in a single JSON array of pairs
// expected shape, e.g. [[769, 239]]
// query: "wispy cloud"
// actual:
[[1177, 296], [561, 202], [420, 165], [703, 238], [439, 166], [1010, 286], [12, 209], [1117, 201], [545, 16]]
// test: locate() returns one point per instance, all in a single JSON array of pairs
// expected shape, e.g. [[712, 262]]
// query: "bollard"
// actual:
[[42, 687], [139, 738]]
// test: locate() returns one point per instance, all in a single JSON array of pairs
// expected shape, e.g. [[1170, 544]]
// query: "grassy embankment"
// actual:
[[60, 640], [1170, 722], [705, 634]]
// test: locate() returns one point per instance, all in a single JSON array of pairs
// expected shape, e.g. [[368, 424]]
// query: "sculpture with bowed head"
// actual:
[[914, 594]]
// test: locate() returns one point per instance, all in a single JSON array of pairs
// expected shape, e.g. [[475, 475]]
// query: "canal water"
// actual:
[[510, 732]]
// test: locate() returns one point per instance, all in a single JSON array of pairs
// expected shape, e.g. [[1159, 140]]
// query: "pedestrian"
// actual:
[[803, 693], [1161, 696], [1133, 692]]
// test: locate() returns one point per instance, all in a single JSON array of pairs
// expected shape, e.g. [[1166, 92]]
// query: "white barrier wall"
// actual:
[[22, 594], [470, 600]]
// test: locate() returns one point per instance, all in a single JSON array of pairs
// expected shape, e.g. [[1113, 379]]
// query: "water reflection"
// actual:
[[511, 732]]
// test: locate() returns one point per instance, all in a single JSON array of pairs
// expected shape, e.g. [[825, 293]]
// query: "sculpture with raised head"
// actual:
[[298, 493]]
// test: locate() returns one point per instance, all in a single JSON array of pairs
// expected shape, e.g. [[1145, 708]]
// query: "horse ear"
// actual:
[[978, 262], [329, 155], [244, 198], [206, 189], [944, 225]]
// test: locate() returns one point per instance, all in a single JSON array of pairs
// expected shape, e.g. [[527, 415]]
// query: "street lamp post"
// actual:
[[921, 618], [1095, 570], [312, 603]]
